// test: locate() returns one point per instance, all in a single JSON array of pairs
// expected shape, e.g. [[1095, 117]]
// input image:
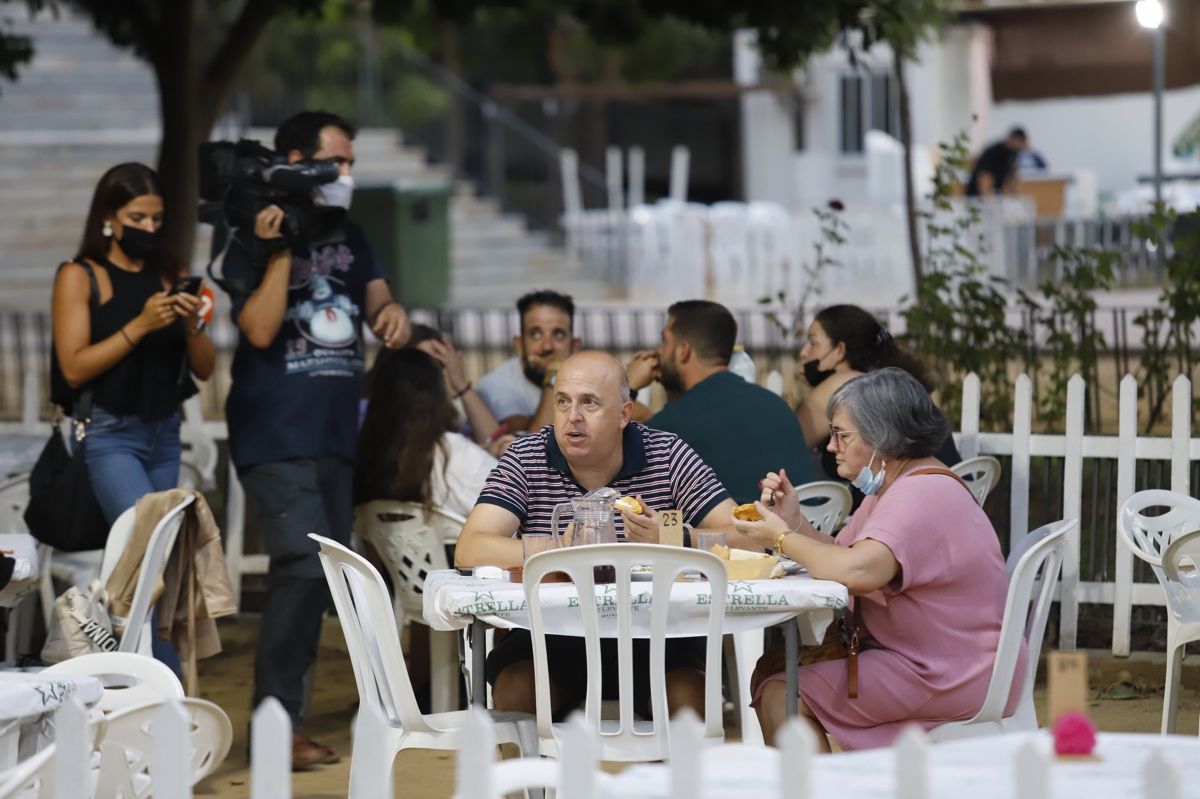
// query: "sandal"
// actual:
[[307, 753]]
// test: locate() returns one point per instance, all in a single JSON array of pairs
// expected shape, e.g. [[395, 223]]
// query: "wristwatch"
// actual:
[[549, 378], [779, 541]]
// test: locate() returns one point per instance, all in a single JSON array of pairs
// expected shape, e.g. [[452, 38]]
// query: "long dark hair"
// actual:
[[869, 345], [409, 411], [417, 333], [116, 189]]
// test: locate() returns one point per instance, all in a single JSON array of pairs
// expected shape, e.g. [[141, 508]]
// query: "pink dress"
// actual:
[[934, 629]]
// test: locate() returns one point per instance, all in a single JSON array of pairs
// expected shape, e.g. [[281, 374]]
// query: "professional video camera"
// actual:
[[239, 180]]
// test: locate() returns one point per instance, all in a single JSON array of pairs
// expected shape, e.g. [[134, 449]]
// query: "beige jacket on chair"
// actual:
[[197, 553]]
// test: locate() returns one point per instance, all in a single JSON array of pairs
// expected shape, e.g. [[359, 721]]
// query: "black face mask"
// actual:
[[814, 374], [137, 243]]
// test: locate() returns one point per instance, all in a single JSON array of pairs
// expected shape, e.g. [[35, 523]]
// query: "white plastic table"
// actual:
[[26, 698], [454, 602], [979, 768]]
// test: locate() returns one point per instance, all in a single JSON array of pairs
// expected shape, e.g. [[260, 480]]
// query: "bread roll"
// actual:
[[630, 505], [747, 513]]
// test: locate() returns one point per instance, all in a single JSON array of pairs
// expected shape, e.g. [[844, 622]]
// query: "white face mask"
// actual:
[[336, 194], [867, 481]]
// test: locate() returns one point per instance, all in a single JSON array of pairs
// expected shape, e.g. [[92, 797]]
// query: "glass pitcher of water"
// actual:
[[593, 514]]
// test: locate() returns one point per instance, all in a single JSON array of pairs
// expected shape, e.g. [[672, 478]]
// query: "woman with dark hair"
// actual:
[[921, 562], [407, 448], [124, 338], [845, 341]]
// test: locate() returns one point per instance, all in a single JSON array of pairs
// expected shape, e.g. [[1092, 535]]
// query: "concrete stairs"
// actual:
[[84, 105]]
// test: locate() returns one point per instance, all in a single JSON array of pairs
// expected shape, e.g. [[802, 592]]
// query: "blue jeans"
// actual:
[[128, 458]]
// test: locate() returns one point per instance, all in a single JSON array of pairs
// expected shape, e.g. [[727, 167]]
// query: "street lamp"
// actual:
[[1151, 14]]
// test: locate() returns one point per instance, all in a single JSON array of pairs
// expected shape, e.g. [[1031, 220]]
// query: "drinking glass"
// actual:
[[705, 541], [533, 543]]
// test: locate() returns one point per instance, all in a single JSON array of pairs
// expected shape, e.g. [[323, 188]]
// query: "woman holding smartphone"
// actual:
[[125, 344]]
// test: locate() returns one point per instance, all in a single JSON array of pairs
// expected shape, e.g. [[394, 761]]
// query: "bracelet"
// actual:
[[127, 338], [465, 389], [779, 541]]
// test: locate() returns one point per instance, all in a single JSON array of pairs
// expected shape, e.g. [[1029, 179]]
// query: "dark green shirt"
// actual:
[[742, 431]]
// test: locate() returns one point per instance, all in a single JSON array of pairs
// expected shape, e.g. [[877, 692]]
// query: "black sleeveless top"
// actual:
[[153, 379]]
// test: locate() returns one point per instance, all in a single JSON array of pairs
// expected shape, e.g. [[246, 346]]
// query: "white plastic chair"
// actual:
[[130, 679], [80, 568], [1181, 581], [137, 635], [625, 739], [980, 474], [14, 498], [32, 778], [1149, 537], [825, 503], [198, 463], [1033, 567], [128, 746], [388, 717], [412, 543]]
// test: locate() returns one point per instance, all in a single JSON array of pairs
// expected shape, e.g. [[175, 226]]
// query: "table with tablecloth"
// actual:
[[26, 701], [454, 601]]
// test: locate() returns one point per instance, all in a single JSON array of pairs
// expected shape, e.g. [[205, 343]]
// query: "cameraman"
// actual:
[[292, 406]]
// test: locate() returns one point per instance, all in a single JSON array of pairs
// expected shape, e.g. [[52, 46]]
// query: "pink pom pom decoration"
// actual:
[[1074, 734]]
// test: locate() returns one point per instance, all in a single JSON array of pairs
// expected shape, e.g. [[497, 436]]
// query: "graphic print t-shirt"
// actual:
[[298, 398]]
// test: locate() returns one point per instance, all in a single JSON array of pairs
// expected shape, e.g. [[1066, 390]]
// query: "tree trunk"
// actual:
[[191, 102], [910, 198], [176, 71]]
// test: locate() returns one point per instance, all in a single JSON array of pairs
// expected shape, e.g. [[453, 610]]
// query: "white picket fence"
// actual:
[[911, 769], [1127, 448], [1022, 444], [70, 767]]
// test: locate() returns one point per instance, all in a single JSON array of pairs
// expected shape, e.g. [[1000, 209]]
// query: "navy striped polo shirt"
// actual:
[[533, 476]]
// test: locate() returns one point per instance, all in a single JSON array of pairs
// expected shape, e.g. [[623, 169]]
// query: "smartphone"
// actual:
[[186, 285]]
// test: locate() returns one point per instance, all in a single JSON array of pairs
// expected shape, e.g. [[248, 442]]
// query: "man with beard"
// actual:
[[593, 443], [738, 428], [520, 391]]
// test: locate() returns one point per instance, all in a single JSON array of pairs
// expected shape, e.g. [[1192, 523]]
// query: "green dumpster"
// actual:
[[408, 226]]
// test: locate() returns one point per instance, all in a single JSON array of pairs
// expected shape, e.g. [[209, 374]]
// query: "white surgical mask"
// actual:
[[867, 481], [336, 194]]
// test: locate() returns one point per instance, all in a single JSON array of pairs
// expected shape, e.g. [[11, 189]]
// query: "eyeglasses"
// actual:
[[839, 436]]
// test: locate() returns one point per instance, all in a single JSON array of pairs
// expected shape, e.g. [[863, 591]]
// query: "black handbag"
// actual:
[[63, 511]]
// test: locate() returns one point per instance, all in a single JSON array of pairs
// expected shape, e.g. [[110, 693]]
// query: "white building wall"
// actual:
[[768, 136], [948, 88]]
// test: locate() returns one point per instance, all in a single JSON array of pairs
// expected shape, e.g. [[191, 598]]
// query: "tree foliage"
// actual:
[[15, 49]]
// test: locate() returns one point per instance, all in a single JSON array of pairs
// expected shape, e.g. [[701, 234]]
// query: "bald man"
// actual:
[[593, 443]]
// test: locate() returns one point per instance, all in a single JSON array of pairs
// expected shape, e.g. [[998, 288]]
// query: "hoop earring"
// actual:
[[107, 230]]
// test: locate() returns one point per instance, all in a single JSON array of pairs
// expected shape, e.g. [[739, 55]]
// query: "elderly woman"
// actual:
[[922, 564]]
